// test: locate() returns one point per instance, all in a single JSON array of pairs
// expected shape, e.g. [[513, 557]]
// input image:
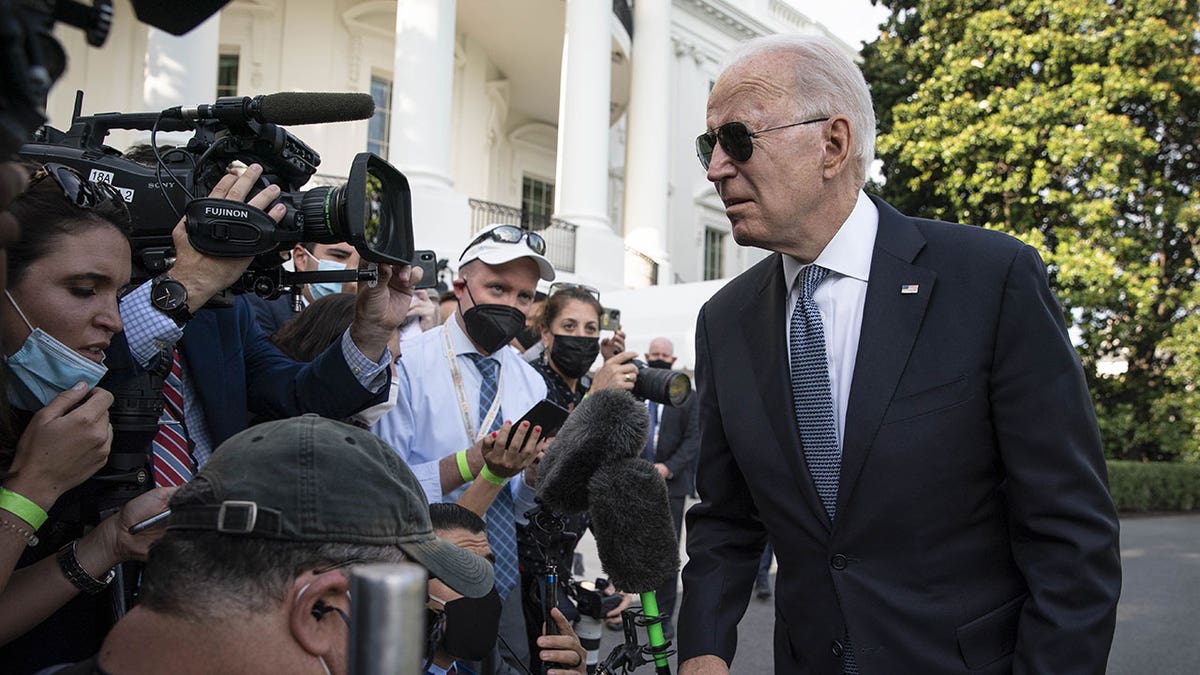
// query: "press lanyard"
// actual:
[[464, 408]]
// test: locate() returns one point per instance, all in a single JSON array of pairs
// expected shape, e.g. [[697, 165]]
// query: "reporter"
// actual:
[[58, 314], [571, 334]]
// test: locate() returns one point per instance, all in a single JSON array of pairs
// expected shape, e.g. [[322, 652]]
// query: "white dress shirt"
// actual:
[[840, 297], [427, 422]]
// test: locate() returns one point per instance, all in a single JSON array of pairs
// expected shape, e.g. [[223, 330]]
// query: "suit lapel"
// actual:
[[762, 324], [891, 320], [206, 367]]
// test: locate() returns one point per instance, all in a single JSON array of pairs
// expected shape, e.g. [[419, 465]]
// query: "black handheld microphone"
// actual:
[[635, 538], [285, 108], [606, 427]]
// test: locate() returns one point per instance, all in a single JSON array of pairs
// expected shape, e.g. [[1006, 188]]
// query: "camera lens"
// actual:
[[669, 387], [372, 211]]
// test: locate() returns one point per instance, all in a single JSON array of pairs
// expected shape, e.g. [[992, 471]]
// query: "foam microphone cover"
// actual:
[[607, 426], [302, 107], [631, 520]]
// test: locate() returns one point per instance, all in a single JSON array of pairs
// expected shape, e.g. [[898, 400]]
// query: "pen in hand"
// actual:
[[150, 522]]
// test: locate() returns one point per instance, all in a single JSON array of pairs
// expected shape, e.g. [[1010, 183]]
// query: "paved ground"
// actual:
[[1158, 618]]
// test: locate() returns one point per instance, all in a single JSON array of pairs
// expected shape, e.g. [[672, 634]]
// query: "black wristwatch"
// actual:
[[169, 296]]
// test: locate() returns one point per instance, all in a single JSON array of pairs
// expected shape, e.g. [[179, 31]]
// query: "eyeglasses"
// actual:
[[564, 285], [81, 192], [511, 234], [736, 140]]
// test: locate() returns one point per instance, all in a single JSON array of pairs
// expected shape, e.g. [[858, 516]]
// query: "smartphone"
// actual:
[[545, 414], [610, 319], [427, 261]]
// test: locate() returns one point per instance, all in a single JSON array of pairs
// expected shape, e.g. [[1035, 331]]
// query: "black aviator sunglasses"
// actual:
[[511, 234], [81, 192], [736, 140]]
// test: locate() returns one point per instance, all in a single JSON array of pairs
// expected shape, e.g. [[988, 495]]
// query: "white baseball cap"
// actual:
[[501, 243]]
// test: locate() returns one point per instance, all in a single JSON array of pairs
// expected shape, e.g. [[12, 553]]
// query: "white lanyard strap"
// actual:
[[463, 406]]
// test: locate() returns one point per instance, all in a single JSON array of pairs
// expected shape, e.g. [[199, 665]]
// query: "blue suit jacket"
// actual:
[[236, 370], [974, 528]]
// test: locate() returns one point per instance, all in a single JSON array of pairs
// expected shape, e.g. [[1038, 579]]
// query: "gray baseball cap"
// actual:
[[312, 479]]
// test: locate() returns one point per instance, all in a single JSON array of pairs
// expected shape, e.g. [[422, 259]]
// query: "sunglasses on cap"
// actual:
[[81, 192], [736, 140], [511, 234], [563, 285]]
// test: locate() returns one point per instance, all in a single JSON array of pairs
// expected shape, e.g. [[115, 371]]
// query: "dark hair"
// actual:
[[556, 302], [454, 517], [318, 326], [44, 213]]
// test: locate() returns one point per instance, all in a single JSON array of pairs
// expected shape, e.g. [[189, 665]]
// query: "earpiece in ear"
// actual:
[[320, 609]]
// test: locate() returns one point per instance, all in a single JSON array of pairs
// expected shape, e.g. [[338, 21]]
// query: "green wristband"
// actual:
[[21, 507], [464, 469], [486, 474]]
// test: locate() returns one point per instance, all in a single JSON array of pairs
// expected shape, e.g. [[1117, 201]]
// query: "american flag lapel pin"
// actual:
[[909, 289]]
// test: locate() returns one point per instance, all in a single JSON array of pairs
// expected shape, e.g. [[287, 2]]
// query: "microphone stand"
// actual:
[[630, 654]]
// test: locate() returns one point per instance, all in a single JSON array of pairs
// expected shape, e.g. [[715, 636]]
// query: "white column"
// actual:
[[647, 144], [181, 70], [422, 92], [581, 180], [581, 175]]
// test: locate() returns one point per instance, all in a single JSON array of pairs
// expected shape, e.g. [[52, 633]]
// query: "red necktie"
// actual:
[[172, 459]]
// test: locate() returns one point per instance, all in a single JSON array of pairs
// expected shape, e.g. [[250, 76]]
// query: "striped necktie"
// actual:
[[171, 457], [501, 521]]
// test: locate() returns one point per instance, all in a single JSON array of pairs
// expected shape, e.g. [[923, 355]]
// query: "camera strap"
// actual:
[[232, 229]]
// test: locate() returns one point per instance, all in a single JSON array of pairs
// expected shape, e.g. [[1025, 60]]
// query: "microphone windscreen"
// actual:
[[176, 18], [631, 520], [300, 107], [607, 426]]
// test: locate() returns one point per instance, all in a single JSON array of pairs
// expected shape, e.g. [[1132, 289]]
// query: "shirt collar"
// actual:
[[849, 252], [458, 338]]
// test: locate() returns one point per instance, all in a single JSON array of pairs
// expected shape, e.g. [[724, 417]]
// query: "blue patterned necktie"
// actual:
[[171, 455], [811, 392], [812, 396], [501, 526]]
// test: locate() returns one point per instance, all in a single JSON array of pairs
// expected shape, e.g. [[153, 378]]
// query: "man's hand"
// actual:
[[379, 310], [564, 648], [704, 665], [610, 347], [204, 276], [662, 470]]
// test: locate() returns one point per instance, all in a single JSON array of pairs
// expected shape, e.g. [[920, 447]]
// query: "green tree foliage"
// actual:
[[1074, 125]]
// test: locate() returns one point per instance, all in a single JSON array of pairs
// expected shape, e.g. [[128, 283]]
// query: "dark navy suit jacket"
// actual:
[[236, 370], [974, 531]]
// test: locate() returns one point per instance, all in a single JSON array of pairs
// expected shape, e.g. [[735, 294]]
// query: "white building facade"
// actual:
[[573, 117]]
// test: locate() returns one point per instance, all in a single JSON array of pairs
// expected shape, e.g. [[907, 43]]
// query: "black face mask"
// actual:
[[659, 363], [529, 337], [466, 628], [492, 326], [573, 354]]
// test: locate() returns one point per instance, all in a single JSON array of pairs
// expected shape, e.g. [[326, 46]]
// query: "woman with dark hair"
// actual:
[[318, 326], [58, 312], [571, 334]]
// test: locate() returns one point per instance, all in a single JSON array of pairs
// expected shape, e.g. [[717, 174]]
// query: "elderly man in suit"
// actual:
[[894, 403]]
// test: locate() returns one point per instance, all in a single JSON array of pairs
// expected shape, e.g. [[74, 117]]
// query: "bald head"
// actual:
[[661, 349]]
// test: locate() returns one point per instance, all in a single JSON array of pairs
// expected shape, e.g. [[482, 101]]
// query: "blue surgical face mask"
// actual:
[[324, 288], [44, 368]]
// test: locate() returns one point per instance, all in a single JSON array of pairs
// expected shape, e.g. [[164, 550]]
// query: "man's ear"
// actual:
[[300, 258], [319, 632], [837, 141]]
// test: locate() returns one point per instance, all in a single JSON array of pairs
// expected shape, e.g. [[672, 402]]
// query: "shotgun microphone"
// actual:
[[631, 520], [606, 427], [286, 108]]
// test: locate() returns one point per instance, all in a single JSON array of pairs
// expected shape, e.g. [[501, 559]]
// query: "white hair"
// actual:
[[825, 82]]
